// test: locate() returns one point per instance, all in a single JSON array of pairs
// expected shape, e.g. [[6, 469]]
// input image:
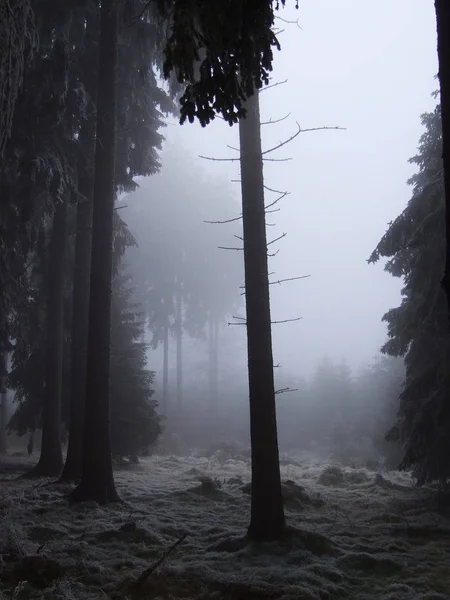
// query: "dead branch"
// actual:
[[119, 207], [298, 132], [277, 159], [146, 574], [272, 85], [285, 390], [274, 191], [271, 255], [243, 321], [277, 239], [272, 210], [280, 281], [272, 121], [239, 237], [286, 321], [277, 200], [233, 148], [223, 222], [227, 248], [218, 159], [288, 22]]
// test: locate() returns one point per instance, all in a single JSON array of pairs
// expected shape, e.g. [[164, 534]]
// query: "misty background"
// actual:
[[371, 71], [372, 75]]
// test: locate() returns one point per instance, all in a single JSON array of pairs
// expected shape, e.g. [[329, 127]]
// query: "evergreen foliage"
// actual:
[[415, 247], [134, 423]]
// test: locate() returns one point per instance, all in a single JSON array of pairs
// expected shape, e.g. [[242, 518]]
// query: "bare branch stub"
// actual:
[[286, 321], [223, 222], [277, 159], [277, 200], [239, 237], [280, 281], [272, 85], [297, 133], [280, 237], [273, 121], [272, 254], [218, 159], [242, 321]]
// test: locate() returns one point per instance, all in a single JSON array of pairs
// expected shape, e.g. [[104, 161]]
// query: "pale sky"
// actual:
[[368, 67]]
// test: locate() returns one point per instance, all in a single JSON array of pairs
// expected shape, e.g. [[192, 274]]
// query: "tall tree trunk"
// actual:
[[165, 391], [82, 267], [97, 480], [213, 361], [4, 405], [267, 515], [51, 460], [179, 343], [443, 49]]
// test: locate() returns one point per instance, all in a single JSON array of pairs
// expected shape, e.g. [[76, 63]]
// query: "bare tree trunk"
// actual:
[[51, 460], [179, 342], [165, 394], [4, 405], [443, 48], [267, 514], [97, 480], [213, 367]]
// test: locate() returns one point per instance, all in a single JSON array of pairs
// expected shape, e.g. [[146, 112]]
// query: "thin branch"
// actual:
[[285, 390], [286, 321], [239, 237], [277, 200], [277, 239], [271, 255], [288, 22], [218, 159], [274, 191], [277, 159], [233, 148], [272, 85], [120, 207], [280, 281], [223, 222], [227, 248], [146, 574], [272, 122], [272, 210], [298, 132]]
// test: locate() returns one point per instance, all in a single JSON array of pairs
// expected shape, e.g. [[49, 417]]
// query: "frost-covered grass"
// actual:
[[353, 534]]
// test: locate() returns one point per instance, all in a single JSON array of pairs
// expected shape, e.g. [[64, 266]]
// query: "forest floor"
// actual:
[[355, 534]]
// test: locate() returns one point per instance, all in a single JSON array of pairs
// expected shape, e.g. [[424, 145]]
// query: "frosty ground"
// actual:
[[353, 533]]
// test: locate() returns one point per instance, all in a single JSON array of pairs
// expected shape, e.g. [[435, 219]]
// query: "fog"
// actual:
[[370, 71]]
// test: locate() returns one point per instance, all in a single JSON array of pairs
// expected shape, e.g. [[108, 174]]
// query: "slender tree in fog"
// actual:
[[51, 460], [97, 480], [267, 513]]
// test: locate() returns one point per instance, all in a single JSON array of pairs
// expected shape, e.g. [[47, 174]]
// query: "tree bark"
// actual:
[[4, 404], [97, 480], [82, 268], [443, 48], [51, 460], [179, 342], [213, 361], [165, 391], [267, 514]]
